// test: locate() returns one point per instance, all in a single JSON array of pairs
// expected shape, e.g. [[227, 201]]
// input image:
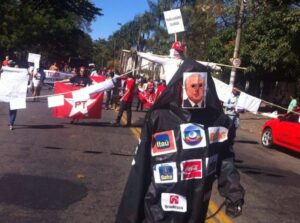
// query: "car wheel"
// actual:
[[267, 138]]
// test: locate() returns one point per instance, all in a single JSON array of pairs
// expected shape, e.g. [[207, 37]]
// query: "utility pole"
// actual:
[[237, 41]]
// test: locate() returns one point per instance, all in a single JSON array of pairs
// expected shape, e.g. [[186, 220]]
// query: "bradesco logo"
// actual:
[[193, 136], [165, 173], [173, 202], [191, 169], [163, 143]]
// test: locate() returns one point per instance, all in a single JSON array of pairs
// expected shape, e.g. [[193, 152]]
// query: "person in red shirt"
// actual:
[[126, 101], [161, 87], [5, 62]]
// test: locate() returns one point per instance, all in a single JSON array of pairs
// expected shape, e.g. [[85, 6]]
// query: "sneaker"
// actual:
[[11, 127], [116, 124]]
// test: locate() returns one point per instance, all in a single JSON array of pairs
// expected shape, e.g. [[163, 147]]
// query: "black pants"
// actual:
[[139, 104], [108, 99], [125, 106]]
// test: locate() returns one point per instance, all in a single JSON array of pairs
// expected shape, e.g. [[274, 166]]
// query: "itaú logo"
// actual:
[[162, 141]]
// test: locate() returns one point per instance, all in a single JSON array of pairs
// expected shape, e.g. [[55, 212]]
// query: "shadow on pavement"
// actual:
[[246, 141], [53, 147], [39, 126], [271, 175], [287, 151], [40, 192], [257, 171], [121, 154], [97, 124]]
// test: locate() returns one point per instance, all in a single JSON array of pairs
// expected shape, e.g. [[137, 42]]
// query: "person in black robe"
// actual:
[[180, 154]]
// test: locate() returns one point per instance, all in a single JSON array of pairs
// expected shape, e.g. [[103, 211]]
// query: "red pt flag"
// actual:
[[85, 109]]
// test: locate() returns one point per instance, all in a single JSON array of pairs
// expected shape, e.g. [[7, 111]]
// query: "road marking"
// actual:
[[212, 207]]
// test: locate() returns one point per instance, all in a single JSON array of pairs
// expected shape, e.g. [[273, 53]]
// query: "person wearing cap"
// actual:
[[93, 70], [178, 49]]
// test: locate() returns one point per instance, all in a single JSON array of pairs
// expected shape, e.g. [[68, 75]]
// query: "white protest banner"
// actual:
[[56, 101], [17, 103], [13, 83], [223, 90], [174, 21], [51, 76], [248, 102]]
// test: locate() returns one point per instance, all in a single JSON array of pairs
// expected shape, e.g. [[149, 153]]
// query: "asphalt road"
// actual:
[[54, 171]]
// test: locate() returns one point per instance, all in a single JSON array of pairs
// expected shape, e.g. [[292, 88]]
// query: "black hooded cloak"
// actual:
[[175, 185]]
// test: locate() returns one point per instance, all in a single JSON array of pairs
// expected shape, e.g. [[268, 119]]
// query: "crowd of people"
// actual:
[[119, 98]]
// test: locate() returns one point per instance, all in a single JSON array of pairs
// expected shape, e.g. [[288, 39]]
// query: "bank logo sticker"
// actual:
[[163, 143], [192, 136], [217, 134], [165, 173], [191, 169], [211, 164], [173, 202]]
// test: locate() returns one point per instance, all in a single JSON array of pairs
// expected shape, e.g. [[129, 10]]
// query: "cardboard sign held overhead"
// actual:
[[174, 21], [34, 58]]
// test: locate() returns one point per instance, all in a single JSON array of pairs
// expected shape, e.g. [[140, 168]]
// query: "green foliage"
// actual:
[[269, 38], [55, 29]]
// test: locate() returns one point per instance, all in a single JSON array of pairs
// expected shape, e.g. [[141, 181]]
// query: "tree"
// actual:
[[54, 29]]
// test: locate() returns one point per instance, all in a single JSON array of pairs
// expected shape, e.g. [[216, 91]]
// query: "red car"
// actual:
[[283, 131]]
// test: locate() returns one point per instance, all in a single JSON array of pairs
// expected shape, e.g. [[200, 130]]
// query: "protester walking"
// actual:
[[231, 109], [109, 92], [126, 101], [36, 83]]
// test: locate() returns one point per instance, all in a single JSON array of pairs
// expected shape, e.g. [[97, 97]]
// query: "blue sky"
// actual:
[[115, 11]]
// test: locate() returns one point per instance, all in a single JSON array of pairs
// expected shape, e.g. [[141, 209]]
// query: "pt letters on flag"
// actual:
[[85, 109]]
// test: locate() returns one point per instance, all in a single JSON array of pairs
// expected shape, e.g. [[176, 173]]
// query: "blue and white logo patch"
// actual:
[[192, 136], [165, 173]]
